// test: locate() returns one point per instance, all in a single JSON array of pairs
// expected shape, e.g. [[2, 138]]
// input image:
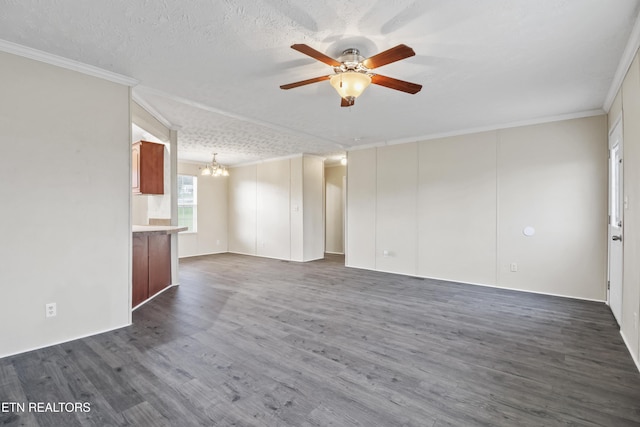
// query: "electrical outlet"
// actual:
[[635, 320], [51, 309], [514, 267]]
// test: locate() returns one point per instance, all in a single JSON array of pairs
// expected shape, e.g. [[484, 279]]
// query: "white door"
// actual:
[[616, 210]]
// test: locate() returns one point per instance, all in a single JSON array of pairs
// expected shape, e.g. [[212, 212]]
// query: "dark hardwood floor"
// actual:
[[248, 341]]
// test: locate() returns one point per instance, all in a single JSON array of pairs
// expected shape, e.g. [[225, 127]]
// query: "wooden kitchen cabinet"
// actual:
[[140, 270], [147, 168], [159, 262], [151, 266]]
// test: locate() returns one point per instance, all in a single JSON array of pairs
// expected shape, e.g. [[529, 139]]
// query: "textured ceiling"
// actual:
[[213, 69]]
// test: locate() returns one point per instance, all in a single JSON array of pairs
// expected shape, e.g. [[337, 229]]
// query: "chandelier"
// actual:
[[215, 168]]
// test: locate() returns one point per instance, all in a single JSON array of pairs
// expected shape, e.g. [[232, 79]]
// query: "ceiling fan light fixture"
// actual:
[[350, 83]]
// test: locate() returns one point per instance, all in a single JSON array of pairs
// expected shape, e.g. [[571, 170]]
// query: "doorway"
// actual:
[[335, 192], [615, 227]]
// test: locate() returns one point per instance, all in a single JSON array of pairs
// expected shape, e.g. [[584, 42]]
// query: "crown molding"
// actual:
[[69, 64], [146, 106], [542, 120], [273, 159], [628, 54]]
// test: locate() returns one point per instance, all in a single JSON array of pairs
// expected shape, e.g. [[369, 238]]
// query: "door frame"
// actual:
[[617, 126]]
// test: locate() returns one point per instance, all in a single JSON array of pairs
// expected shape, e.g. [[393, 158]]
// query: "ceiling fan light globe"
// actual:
[[350, 83]]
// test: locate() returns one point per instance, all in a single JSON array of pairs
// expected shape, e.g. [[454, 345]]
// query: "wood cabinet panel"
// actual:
[[140, 270], [151, 269], [159, 263], [147, 168]]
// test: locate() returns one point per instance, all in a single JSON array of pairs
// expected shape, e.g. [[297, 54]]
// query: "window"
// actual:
[[188, 202]]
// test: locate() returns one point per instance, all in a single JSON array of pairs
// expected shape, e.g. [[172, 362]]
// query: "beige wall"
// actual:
[[275, 209], [242, 209], [296, 187], [455, 208], [211, 234], [627, 106], [361, 209], [313, 207], [273, 219], [334, 208], [553, 177], [65, 225], [396, 209]]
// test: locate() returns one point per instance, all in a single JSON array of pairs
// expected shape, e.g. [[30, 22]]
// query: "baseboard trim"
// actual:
[[64, 341], [155, 295], [202, 254], [271, 257], [631, 353], [334, 253]]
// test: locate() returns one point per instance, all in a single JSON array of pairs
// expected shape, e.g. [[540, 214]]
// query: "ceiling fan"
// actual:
[[352, 72]]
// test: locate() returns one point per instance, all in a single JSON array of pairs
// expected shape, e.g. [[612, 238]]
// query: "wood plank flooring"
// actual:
[[247, 341]]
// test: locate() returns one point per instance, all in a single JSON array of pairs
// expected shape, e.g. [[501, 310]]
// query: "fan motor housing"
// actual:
[[351, 61]]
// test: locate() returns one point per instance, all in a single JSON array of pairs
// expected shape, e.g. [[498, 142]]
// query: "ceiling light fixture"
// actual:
[[343, 161], [350, 84], [215, 168]]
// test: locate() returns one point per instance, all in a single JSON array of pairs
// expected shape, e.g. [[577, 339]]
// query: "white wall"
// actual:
[[211, 234], [272, 219], [66, 235], [627, 105], [275, 209], [396, 211], [242, 209], [296, 210], [140, 209], [455, 208], [553, 177], [313, 207], [361, 209], [334, 208]]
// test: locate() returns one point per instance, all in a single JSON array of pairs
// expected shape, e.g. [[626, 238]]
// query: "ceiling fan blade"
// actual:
[[347, 102], [305, 82], [394, 54], [396, 84], [308, 50]]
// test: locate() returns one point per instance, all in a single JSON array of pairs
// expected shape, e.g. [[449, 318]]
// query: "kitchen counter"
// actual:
[[156, 229]]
